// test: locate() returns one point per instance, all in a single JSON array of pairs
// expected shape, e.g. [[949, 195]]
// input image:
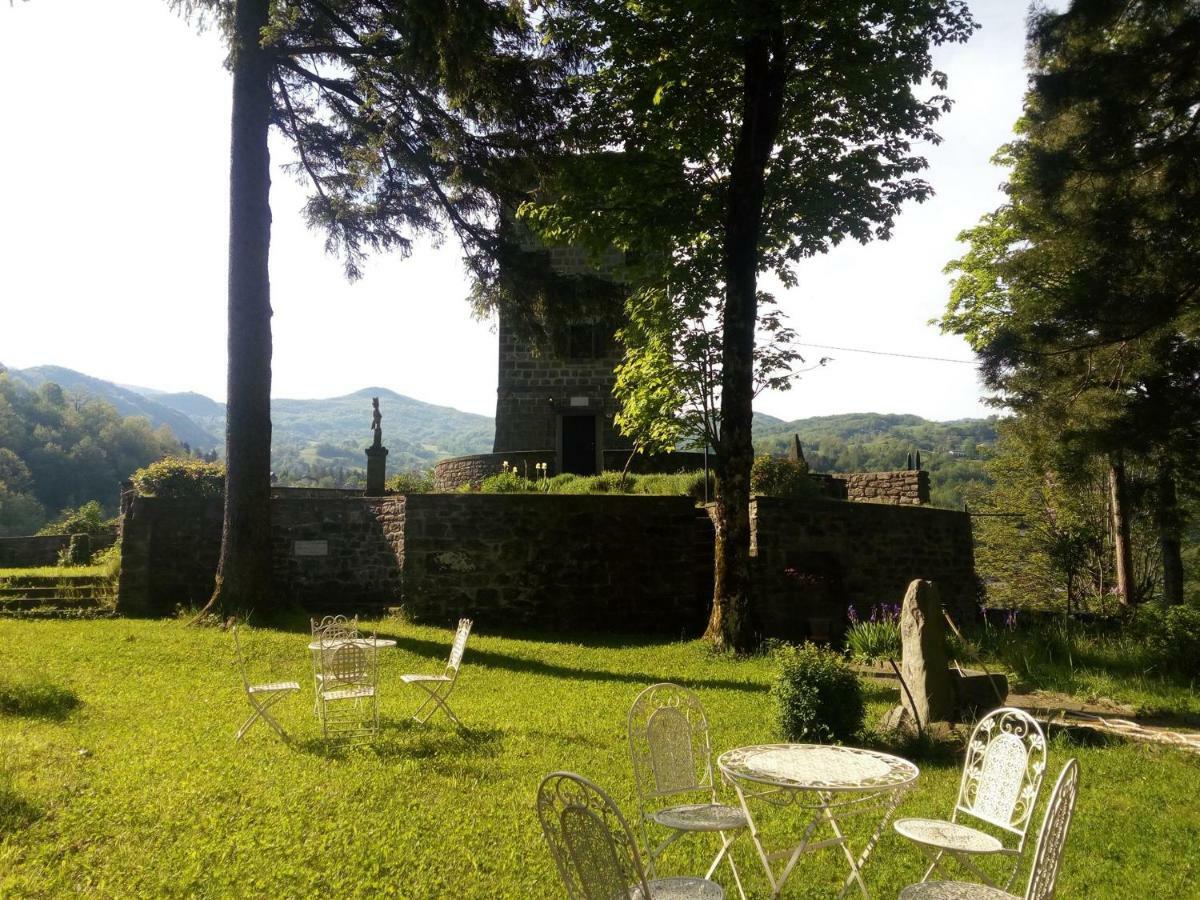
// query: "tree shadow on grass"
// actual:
[[437, 650], [409, 740], [15, 811], [36, 699]]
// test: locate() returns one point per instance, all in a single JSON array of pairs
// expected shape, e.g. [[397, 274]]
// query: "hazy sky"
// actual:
[[113, 228]]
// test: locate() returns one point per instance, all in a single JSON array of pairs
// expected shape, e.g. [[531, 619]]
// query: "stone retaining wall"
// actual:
[[332, 555], [556, 562], [43, 549], [815, 556], [451, 474], [909, 487], [614, 563]]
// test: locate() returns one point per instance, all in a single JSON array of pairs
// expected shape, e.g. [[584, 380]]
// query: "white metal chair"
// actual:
[[439, 687], [261, 697], [671, 751], [347, 697], [1002, 776], [1046, 858], [329, 629], [595, 851]]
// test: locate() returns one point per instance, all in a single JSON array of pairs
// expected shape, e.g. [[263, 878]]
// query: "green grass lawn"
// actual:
[[119, 775]]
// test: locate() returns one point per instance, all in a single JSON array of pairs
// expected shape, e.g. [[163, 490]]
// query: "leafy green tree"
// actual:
[[1041, 528], [718, 140], [1080, 293], [398, 113], [59, 452]]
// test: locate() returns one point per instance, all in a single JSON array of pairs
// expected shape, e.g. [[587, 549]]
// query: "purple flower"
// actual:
[[1010, 620], [852, 614]]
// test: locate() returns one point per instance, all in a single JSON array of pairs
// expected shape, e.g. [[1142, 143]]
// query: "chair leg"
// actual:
[[260, 711], [439, 702], [724, 854], [933, 864]]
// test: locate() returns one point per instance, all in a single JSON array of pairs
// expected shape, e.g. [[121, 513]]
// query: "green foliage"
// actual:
[[87, 519], [506, 483], [411, 482], [59, 451], [774, 476], [877, 638], [1042, 533], [1175, 638], [181, 478], [818, 699], [952, 452], [1078, 293]]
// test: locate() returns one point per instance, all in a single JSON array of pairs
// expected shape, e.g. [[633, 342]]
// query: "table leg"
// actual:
[[856, 866]]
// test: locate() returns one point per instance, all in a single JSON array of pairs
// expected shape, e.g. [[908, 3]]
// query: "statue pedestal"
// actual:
[[376, 470]]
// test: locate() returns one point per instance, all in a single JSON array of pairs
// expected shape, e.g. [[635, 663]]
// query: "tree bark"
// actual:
[[1167, 519], [730, 624], [243, 579], [1122, 549]]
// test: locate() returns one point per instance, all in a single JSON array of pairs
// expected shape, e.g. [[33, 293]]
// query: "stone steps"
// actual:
[[49, 597]]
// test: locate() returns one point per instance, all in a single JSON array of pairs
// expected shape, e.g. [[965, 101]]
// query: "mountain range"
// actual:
[[324, 439]]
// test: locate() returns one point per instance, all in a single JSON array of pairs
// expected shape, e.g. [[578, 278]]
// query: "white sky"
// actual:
[[113, 227]]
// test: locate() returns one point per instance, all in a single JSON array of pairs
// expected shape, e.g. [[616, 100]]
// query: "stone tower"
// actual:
[[557, 394]]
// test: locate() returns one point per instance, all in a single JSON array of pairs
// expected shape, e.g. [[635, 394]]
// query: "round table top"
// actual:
[[362, 642], [818, 767]]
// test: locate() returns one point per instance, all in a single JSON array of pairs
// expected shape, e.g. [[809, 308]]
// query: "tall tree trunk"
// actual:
[[730, 625], [1119, 509], [1167, 518], [244, 573]]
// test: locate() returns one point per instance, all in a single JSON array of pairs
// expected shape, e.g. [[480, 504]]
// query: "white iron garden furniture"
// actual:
[[1046, 858], [829, 784], [439, 687], [595, 851], [261, 697], [1002, 776], [671, 751]]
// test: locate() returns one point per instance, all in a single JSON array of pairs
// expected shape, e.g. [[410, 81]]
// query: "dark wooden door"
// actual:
[[579, 444]]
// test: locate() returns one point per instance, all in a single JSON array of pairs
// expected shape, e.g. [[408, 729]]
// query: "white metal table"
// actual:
[[374, 643], [830, 782]]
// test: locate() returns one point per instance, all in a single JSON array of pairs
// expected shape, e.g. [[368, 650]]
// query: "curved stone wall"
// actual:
[[451, 474]]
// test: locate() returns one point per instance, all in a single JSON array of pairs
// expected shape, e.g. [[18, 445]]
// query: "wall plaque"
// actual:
[[310, 548], [579, 401]]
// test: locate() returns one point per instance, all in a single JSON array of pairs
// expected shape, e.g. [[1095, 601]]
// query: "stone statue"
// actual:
[[376, 418]]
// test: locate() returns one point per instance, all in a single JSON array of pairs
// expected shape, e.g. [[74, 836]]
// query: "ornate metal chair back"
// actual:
[[334, 628], [347, 663], [1003, 771], [593, 848], [1053, 835], [669, 742], [459, 646]]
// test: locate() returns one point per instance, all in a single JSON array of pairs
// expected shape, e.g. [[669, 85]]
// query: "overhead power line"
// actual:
[[961, 362]]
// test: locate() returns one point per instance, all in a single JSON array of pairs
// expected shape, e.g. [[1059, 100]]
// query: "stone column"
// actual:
[[376, 470], [924, 664]]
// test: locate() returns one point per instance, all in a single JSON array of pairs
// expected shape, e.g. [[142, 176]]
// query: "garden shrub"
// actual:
[[1177, 641], [774, 476], [181, 478], [817, 696], [411, 483], [87, 519], [505, 483]]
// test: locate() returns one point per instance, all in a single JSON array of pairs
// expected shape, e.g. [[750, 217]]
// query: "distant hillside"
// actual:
[[322, 441], [128, 402], [953, 452]]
